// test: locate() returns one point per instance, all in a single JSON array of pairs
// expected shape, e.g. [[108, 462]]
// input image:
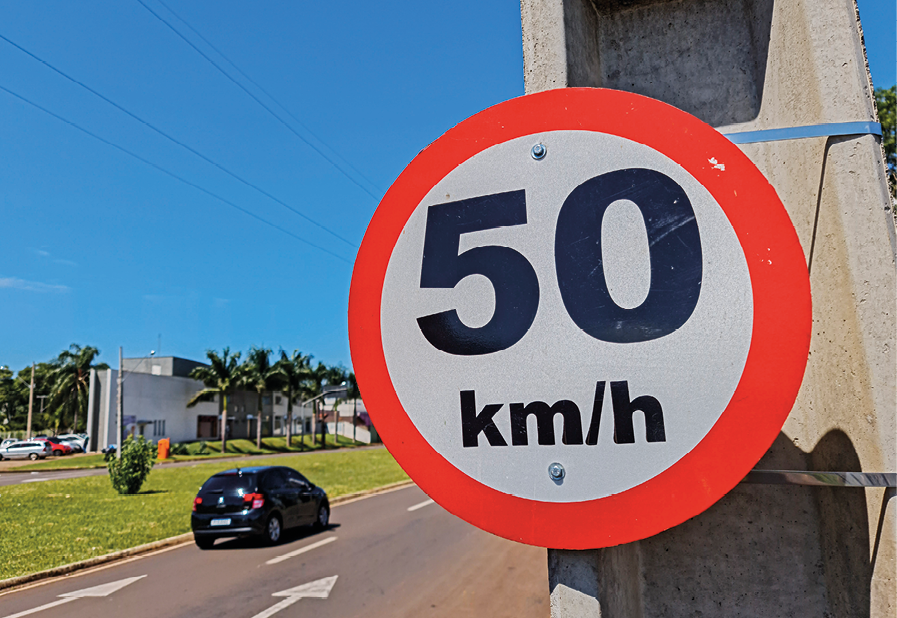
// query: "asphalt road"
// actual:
[[394, 554]]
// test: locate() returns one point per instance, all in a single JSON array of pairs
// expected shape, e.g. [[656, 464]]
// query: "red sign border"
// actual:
[[769, 383]]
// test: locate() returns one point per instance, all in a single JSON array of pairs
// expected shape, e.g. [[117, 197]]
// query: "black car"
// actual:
[[260, 501]]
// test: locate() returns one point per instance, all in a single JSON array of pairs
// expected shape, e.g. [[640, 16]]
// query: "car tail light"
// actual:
[[253, 501], [196, 502]]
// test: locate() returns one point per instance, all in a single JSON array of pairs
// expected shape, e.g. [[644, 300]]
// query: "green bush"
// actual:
[[180, 448], [130, 471]]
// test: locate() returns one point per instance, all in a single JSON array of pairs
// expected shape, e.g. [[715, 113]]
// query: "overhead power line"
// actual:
[[268, 94], [259, 101], [172, 174], [178, 142]]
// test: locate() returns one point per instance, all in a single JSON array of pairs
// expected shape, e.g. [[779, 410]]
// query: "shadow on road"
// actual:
[[289, 537]]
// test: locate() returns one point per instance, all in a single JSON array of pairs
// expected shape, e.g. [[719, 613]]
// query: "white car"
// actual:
[[8, 441], [76, 441]]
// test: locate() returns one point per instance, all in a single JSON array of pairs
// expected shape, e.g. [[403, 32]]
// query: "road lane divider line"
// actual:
[[420, 506], [34, 610], [302, 550]]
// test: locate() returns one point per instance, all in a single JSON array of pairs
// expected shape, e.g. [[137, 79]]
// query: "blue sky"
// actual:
[[98, 248]]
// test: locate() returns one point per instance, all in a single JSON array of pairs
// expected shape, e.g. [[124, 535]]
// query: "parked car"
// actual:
[[8, 441], [261, 501], [32, 449], [73, 442], [56, 445], [75, 439]]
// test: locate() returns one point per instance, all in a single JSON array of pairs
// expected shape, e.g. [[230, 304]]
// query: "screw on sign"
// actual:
[[579, 318]]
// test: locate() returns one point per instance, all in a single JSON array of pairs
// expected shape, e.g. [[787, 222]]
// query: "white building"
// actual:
[[155, 395]]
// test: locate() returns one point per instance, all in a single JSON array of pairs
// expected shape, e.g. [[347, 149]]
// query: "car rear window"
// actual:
[[228, 483]]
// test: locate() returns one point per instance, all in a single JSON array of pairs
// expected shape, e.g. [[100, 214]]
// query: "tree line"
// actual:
[[61, 389], [886, 102], [292, 374], [62, 385]]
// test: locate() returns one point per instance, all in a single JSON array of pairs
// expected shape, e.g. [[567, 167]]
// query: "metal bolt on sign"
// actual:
[[539, 151], [556, 471]]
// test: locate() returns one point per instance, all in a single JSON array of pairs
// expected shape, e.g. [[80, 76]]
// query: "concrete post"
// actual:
[[745, 65]]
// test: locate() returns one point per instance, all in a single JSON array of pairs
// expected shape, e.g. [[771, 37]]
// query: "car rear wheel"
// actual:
[[273, 530], [32, 456], [204, 542], [323, 516]]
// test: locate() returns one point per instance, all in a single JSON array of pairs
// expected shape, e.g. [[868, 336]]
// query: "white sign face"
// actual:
[[625, 398]]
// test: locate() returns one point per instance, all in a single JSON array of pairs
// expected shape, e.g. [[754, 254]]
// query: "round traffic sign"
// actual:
[[579, 318]]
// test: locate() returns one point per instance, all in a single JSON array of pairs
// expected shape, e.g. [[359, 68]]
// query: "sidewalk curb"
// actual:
[[14, 582], [65, 569]]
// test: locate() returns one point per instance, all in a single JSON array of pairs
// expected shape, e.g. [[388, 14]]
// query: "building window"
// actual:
[[277, 400], [206, 427]]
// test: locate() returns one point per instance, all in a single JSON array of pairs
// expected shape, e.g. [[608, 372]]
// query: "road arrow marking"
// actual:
[[420, 506], [103, 590], [301, 550], [318, 589]]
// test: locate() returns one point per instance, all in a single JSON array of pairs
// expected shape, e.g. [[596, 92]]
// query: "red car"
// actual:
[[58, 446]]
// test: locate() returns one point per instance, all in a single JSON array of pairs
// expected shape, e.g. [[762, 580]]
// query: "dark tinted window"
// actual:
[[230, 483], [275, 478], [295, 478]]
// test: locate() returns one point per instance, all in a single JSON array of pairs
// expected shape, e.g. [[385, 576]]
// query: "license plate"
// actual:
[[221, 522]]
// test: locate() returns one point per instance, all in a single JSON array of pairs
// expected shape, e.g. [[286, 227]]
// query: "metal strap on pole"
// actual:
[[828, 479], [831, 129]]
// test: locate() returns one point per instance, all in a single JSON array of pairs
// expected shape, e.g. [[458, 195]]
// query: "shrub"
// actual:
[[130, 471], [179, 448]]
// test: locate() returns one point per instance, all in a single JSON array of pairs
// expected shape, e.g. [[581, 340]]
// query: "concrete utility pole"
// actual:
[[30, 403], [756, 65], [119, 405]]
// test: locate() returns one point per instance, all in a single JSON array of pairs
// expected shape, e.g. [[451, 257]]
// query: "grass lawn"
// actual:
[[48, 524], [235, 448]]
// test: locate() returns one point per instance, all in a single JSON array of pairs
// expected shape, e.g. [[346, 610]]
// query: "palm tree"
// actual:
[[221, 377], [259, 374], [353, 393], [323, 375], [295, 375], [71, 382]]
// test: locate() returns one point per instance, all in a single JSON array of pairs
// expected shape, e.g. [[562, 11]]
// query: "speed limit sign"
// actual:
[[579, 318]]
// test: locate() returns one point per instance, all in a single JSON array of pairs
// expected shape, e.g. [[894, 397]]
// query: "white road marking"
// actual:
[[301, 550], [103, 590], [318, 589], [34, 481], [42, 607], [420, 506]]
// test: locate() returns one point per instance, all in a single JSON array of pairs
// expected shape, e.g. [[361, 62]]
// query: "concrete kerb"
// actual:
[[7, 585]]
